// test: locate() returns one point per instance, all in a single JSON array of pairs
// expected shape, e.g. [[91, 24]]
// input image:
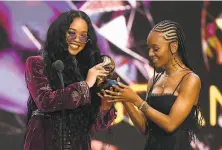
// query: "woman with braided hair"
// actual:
[[169, 114], [70, 38]]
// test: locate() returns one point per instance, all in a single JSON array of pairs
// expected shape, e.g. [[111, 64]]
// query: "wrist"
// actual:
[[144, 107], [88, 84], [106, 109], [138, 102]]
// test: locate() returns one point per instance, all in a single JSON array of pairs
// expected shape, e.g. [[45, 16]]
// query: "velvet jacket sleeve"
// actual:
[[47, 100], [104, 120]]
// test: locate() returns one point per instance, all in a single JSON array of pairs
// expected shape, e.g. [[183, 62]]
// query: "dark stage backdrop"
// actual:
[[122, 28]]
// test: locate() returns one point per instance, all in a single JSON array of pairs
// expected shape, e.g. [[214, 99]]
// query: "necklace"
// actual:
[[167, 76]]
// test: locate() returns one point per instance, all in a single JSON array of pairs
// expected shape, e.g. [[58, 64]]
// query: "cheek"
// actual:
[[82, 47], [67, 39], [165, 52], [163, 56], [167, 58]]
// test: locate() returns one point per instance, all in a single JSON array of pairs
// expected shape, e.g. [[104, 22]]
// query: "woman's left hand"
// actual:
[[105, 104], [122, 93]]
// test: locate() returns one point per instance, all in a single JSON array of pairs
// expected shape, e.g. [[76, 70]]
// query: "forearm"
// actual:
[[104, 120], [48, 100], [137, 118], [162, 120], [70, 98]]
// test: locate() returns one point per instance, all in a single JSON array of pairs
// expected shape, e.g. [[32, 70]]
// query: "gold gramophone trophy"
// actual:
[[103, 83]]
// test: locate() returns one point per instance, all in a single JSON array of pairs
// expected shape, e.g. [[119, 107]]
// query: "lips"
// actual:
[[155, 60], [74, 46]]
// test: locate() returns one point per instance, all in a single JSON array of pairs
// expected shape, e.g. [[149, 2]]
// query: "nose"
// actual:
[[151, 53], [77, 39]]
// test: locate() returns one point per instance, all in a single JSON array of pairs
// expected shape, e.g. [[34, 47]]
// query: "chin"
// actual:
[[74, 52], [159, 67]]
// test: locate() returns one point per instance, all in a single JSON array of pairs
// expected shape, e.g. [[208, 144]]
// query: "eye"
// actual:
[[84, 36], [71, 33], [155, 49], [147, 47]]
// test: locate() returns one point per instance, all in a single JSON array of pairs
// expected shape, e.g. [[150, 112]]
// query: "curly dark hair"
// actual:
[[56, 48], [75, 67]]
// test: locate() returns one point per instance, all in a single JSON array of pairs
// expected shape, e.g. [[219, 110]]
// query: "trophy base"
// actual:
[[106, 85]]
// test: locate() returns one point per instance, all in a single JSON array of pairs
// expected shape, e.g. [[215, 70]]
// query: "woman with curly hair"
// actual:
[[77, 109]]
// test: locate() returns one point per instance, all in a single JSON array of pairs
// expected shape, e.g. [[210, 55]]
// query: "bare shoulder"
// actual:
[[191, 85], [192, 79]]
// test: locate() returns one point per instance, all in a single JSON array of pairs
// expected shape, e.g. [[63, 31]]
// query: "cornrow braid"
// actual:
[[173, 32]]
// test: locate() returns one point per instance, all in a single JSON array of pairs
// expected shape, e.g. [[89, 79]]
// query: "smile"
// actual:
[[155, 60], [74, 46]]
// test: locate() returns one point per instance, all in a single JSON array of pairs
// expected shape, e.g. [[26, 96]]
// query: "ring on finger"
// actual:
[[118, 93]]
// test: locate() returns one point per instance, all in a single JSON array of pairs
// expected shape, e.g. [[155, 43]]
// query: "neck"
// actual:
[[174, 65], [172, 69]]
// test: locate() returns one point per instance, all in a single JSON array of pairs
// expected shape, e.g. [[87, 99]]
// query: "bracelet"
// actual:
[[141, 106]]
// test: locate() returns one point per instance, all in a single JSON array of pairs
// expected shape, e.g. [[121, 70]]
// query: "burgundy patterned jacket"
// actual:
[[41, 133]]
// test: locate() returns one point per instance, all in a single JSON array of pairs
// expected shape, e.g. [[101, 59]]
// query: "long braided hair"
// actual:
[[174, 33]]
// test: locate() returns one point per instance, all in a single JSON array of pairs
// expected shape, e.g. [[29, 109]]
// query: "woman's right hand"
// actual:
[[94, 72]]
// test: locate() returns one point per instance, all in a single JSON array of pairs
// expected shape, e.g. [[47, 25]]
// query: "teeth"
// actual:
[[74, 46], [154, 60]]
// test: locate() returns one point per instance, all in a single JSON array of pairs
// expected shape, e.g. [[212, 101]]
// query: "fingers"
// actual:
[[112, 89], [117, 88], [102, 71], [115, 100], [112, 96], [112, 93], [102, 74], [103, 95], [100, 95], [118, 79], [100, 65], [107, 96], [122, 85]]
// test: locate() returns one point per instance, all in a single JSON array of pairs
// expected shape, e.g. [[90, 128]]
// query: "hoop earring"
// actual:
[[90, 41]]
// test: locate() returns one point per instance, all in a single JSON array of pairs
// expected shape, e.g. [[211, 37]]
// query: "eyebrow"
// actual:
[[153, 45], [75, 30]]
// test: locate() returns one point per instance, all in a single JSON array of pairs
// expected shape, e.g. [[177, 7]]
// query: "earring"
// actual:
[[90, 41], [174, 58]]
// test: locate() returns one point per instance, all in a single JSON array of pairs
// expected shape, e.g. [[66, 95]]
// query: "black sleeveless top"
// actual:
[[179, 139]]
